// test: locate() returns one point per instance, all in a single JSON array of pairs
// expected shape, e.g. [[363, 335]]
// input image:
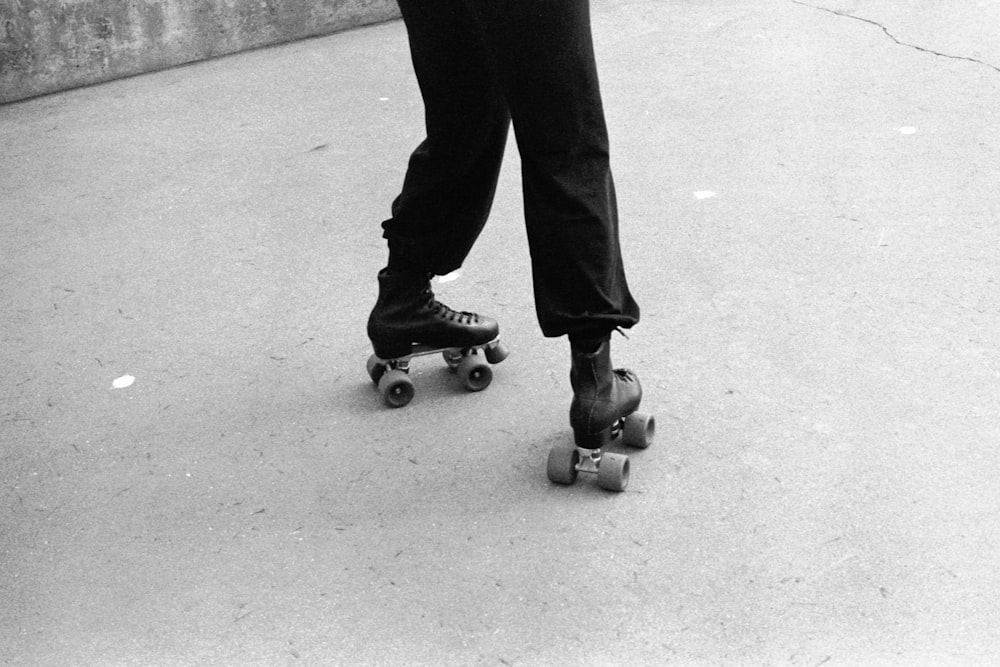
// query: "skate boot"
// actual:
[[408, 321], [604, 406]]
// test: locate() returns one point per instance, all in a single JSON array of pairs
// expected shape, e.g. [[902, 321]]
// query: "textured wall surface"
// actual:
[[50, 45]]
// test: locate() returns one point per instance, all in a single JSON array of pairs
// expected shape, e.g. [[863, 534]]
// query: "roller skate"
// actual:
[[408, 322], [604, 408]]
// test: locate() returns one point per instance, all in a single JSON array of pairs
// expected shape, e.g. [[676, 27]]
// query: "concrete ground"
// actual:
[[810, 219]]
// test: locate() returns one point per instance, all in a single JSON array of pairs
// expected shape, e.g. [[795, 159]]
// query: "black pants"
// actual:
[[482, 64]]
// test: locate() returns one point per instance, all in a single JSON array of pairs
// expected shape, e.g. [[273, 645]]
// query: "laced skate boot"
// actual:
[[605, 404], [408, 321], [601, 396], [407, 313]]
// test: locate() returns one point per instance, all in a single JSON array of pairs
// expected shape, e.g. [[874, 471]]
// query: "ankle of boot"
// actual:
[[588, 343], [410, 281], [405, 263]]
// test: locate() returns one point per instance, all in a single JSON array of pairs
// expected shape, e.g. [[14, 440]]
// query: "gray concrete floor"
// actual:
[[809, 199]]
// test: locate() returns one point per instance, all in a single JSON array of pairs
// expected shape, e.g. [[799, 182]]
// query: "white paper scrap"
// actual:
[[123, 381]]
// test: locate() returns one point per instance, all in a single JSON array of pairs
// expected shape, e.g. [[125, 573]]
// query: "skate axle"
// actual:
[[398, 364], [590, 460]]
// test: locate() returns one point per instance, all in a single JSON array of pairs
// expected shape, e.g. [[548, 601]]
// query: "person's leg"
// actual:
[[545, 61], [449, 186], [452, 176]]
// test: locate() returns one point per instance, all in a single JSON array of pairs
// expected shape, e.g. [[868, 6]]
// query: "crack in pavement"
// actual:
[[895, 39]]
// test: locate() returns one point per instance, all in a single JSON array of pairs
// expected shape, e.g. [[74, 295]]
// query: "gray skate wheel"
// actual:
[[612, 474], [396, 388], [497, 353], [475, 374], [561, 466], [639, 430], [375, 368]]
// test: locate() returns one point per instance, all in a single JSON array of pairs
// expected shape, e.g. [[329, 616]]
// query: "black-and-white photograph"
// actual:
[[499, 332]]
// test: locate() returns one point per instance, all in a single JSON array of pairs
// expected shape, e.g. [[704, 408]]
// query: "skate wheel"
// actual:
[[497, 353], [396, 388], [561, 466], [612, 474], [453, 358], [375, 368], [474, 373], [639, 430]]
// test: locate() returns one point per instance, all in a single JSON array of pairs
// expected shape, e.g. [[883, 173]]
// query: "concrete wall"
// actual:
[[51, 45]]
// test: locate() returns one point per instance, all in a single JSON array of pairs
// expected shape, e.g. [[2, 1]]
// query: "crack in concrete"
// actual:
[[895, 39]]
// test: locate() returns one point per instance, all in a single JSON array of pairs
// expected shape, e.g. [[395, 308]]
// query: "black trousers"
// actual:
[[481, 65]]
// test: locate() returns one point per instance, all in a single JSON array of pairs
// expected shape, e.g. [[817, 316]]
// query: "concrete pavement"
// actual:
[[808, 194]]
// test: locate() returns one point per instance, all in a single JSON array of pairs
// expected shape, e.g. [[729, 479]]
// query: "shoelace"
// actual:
[[445, 313], [462, 317], [624, 373]]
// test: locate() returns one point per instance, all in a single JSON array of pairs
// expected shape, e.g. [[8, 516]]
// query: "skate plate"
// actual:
[[565, 462], [471, 364]]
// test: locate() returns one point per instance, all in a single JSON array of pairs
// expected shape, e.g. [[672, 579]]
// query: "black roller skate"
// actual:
[[605, 404], [409, 322]]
